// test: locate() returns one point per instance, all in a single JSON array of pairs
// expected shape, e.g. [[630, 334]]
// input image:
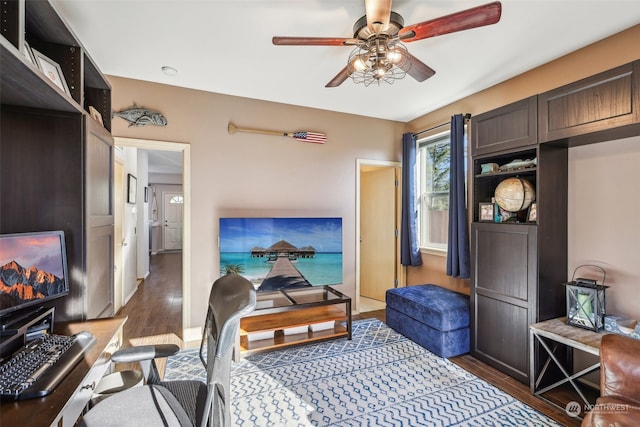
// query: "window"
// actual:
[[433, 165]]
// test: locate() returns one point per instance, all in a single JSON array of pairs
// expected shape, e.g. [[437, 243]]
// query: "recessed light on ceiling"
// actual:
[[169, 71]]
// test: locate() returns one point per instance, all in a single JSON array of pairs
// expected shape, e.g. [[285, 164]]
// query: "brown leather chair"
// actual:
[[619, 401]]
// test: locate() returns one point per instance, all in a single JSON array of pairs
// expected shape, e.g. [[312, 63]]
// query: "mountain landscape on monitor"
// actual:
[[19, 284]]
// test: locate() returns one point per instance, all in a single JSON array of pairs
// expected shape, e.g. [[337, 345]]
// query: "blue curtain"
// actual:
[[458, 245], [409, 250]]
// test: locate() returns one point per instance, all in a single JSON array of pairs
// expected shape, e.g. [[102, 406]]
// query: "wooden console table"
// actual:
[[284, 309], [557, 331], [63, 407]]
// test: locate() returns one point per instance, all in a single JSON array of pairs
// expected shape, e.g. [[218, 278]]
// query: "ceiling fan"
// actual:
[[379, 37]]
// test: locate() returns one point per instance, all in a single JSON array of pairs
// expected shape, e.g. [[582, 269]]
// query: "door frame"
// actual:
[[185, 148], [361, 165], [118, 210]]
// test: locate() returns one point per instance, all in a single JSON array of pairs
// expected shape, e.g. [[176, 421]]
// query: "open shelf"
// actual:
[[280, 340], [290, 319], [307, 307]]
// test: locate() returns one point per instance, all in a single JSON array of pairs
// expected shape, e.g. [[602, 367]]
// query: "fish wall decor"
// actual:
[[139, 116]]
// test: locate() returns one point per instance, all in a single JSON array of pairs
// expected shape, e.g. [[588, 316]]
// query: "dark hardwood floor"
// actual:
[[155, 310], [156, 307]]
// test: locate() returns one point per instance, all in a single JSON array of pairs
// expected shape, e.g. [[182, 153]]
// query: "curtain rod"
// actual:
[[466, 117]]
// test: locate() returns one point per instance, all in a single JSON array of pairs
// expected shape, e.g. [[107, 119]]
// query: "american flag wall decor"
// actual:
[[306, 136]]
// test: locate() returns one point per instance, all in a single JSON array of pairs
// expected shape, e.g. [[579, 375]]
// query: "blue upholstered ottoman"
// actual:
[[434, 317]]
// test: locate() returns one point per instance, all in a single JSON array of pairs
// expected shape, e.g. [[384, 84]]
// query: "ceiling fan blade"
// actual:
[[339, 78], [378, 13], [418, 69], [313, 41], [471, 18]]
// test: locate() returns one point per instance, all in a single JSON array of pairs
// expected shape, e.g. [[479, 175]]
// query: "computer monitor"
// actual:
[[33, 270]]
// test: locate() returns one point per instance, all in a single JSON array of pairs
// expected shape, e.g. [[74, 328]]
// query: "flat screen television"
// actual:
[[281, 253], [33, 270]]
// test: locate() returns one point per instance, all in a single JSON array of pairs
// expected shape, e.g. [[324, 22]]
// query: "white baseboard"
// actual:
[[128, 297], [192, 334]]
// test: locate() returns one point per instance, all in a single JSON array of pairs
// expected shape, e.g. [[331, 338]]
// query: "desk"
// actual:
[[65, 404], [559, 332]]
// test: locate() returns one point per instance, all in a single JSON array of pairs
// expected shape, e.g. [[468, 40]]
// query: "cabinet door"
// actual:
[[503, 296], [98, 174], [99, 282], [604, 101], [512, 126], [99, 214]]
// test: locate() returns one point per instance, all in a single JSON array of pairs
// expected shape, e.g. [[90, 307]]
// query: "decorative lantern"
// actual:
[[586, 301]]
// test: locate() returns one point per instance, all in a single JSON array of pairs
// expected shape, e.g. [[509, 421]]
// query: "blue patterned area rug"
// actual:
[[380, 378]]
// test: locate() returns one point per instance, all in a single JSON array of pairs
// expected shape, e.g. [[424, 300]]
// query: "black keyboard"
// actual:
[[37, 368]]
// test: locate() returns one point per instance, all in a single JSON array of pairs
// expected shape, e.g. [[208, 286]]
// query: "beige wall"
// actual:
[[603, 202], [258, 175], [604, 218]]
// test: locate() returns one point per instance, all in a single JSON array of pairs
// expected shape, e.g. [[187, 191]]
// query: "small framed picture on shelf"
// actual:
[[95, 114], [532, 215], [52, 70], [506, 216], [26, 51], [486, 212]]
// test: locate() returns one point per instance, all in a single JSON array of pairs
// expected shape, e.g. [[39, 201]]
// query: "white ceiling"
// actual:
[[225, 46], [164, 162]]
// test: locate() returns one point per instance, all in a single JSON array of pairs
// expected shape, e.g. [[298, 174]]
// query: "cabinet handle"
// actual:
[[91, 386]]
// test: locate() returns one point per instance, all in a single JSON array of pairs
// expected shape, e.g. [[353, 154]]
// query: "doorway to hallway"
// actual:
[[377, 250]]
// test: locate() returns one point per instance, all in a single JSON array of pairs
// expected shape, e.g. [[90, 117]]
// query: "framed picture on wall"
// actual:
[[131, 188]]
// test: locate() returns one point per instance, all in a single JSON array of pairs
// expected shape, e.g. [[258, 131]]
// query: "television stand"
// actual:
[[294, 316]]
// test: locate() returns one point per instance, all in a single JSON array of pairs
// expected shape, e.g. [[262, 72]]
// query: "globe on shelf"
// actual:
[[514, 194]]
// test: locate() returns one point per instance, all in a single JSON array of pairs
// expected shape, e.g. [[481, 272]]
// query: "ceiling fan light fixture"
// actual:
[[358, 62], [395, 56], [380, 71], [379, 59], [380, 34]]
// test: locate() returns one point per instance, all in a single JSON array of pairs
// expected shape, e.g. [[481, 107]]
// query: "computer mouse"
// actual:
[[84, 335]]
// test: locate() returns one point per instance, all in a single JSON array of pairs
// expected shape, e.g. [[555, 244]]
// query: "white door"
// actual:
[[378, 238], [172, 220], [118, 235]]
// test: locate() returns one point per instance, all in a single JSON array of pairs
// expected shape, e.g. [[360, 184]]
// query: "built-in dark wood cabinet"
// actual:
[[55, 160], [584, 109], [518, 266], [512, 126]]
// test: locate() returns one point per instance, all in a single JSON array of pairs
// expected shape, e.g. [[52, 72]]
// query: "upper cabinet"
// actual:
[[37, 45], [580, 110], [512, 126]]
